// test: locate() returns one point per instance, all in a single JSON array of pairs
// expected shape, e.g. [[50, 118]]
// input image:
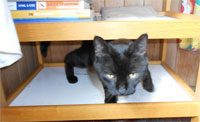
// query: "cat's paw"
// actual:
[[112, 99], [72, 79], [148, 86]]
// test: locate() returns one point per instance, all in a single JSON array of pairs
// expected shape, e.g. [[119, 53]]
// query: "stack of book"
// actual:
[[50, 11]]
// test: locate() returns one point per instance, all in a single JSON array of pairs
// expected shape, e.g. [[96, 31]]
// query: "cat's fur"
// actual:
[[120, 65], [81, 57]]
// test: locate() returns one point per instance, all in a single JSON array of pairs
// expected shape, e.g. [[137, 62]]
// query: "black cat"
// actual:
[[120, 65]]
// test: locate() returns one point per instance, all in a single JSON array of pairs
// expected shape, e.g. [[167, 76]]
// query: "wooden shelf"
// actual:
[[101, 111], [187, 26]]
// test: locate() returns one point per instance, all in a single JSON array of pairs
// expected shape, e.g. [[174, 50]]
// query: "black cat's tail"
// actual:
[[44, 48]]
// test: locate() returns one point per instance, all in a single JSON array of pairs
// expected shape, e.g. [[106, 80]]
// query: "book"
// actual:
[[48, 5], [31, 5], [41, 20], [79, 13], [62, 5]]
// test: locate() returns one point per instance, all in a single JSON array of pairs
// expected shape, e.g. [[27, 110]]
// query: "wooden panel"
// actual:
[[171, 53], [197, 90], [114, 30], [13, 75], [187, 64], [22, 85], [10, 78], [196, 119], [134, 2], [114, 3], [156, 4], [22, 64], [39, 55], [154, 50], [166, 5], [98, 4], [28, 62], [176, 5], [164, 50], [28, 53], [58, 50], [182, 16], [3, 102], [101, 111]]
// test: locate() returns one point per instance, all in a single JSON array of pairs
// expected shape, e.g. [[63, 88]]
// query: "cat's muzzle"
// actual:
[[125, 92]]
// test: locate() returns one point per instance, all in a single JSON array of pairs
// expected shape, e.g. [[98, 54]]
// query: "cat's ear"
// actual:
[[100, 47], [139, 46]]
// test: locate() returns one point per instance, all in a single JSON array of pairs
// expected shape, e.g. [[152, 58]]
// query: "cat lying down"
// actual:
[[119, 64]]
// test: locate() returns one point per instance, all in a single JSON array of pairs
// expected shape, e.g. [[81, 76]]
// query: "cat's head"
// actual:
[[121, 64]]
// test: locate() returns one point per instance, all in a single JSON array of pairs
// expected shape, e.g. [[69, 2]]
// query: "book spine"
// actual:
[[31, 5], [48, 5], [80, 13]]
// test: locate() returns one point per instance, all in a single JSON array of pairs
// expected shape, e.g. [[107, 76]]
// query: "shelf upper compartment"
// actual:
[[187, 26]]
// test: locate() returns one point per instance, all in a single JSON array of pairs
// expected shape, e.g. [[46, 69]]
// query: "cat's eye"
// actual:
[[110, 76], [133, 75]]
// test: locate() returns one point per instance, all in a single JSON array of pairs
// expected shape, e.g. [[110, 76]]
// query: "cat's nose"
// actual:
[[122, 90]]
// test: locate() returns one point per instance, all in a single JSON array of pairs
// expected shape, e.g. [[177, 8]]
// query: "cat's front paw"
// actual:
[[112, 99], [72, 79], [148, 86]]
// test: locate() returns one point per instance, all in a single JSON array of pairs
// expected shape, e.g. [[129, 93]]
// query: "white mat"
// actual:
[[50, 87]]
